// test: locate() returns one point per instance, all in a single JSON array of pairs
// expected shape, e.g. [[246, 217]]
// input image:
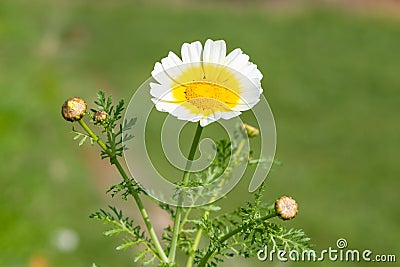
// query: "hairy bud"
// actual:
[[100, 115], [251, 130], [286, 208], [73, 109]]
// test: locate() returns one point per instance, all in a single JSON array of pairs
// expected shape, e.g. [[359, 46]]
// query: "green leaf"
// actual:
[[210, 207], [113, 232], [140, 256], [149, 261], [125, 246], [82, 140]]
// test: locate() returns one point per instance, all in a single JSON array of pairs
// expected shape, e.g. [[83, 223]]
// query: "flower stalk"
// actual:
[[185, 180], [132, 190], [196, 242], [199, 233]]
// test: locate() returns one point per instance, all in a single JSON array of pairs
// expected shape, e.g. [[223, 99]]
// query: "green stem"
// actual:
[[131, 188], [196, 243], [197, 238], [210, 253], [185, 179], [192, 152], [185, 218]]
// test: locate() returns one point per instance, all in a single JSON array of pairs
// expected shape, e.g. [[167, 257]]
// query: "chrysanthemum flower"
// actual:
[[206, 84]]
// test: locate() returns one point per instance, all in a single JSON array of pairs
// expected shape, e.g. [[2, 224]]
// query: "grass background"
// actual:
[[331, 78]]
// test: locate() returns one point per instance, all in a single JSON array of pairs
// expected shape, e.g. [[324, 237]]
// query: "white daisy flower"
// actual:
[[205, 84]]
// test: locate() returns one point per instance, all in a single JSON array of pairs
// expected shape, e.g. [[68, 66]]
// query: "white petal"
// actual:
[[176, 110], [214, 51], [164, 106], [191, 52], [249, 95], [161, 92], [211, 118], [204, 122], [237, 60], [245, 106], [160, 75], [247, 84], [171, 61], [252, 72], [182, 113], [230, 115], [174, 67], [216, 115], [232, 55]]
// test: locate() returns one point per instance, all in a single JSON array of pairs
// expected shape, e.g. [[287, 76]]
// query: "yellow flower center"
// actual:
[[206, 97], [210, 90], [207, 88]]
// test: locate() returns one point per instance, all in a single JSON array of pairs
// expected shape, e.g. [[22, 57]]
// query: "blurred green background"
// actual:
[[331, 77]]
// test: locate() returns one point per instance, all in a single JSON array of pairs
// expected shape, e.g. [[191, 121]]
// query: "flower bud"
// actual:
[[73, 109], [100, 115], [251, 130], [286, 208]]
